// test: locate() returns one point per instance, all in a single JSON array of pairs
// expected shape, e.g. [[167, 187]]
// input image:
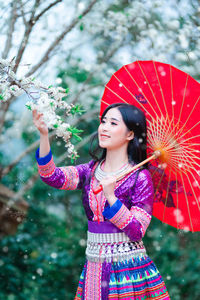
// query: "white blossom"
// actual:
[[44, 99]]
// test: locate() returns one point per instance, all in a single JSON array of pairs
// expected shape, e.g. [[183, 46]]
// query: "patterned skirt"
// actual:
[[135, 279]]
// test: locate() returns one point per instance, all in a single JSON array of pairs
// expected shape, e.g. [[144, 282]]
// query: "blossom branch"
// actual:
[[45, 100], [33, 146], [57, 41]]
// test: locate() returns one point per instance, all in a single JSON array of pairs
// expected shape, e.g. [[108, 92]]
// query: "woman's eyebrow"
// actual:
[[112, 119]]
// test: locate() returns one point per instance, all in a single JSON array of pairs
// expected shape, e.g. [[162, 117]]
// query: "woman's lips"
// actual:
[[103, 136]]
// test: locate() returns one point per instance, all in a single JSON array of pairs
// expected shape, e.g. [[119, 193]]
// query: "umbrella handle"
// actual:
[[156, 154], [98, 189]]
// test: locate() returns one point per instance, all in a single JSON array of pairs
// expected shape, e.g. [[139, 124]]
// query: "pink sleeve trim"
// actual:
[[48, 169], [141, 216], [125, 216], [71, 178], [122, 218]]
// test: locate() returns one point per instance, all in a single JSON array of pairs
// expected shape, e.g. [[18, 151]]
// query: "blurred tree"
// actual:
[[79, 45]]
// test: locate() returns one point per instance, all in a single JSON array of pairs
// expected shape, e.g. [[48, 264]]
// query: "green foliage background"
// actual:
[[44, 259]]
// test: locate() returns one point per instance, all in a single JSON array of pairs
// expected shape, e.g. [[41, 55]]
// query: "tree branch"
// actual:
[[22, 13], [49, 51], [11, 28], [46, 9], [4, 108], [7, 169], [24, 41]]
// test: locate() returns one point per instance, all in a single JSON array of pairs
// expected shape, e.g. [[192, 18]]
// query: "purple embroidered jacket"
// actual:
[[132, 211]]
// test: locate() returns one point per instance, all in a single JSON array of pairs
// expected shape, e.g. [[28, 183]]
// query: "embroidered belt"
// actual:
[[112, 247]]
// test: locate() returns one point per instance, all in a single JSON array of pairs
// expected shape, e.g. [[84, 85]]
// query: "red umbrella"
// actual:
[[170, 99]]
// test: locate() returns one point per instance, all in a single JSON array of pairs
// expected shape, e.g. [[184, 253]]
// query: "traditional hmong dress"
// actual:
[[117, 265]]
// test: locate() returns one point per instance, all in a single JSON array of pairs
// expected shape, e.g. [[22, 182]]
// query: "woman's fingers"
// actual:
[[39, 122], [36, 115]]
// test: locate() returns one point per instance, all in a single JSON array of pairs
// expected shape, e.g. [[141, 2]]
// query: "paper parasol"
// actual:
[[170, 99]]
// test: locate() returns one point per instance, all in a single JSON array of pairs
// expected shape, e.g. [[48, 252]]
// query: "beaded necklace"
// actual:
[[100, 174]]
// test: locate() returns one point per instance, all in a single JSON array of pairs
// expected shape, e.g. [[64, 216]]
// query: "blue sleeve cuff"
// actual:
[[110, 211], [43, 160]]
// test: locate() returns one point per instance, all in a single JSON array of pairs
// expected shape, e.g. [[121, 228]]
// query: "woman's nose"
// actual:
[[104, 126]]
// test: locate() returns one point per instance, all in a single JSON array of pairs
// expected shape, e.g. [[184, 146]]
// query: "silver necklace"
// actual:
[[100, 174]]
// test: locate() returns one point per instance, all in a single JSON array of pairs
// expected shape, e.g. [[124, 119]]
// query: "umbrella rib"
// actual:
[[173, 164], [192, 137], [177, 200], [189, 149], [184, 159], [189, 169], [123, 99], [142, 93], [172, 91], [187, 202], [116, 94], [198, 185], [181, 129], [148, 85], [169, 126], [189, 161], [157, 133], [131, 93], [161, 90], [166, 196], [190, 130], [153, 171], [193, 192], [158, 185], [165, 132], [183, 99], [195, 144]]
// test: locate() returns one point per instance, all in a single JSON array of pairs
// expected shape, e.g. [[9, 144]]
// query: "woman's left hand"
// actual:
[[108, 185]]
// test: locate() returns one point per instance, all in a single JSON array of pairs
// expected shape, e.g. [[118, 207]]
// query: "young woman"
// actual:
[[117, 265]]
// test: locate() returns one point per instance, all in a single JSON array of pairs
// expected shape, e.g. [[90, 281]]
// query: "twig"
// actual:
[[49, 51], [46, 9], [4, 108], [23, 13], [24, 41], [13, 18]]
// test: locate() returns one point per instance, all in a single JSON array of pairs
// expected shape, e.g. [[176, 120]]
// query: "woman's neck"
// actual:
[[115, 159]]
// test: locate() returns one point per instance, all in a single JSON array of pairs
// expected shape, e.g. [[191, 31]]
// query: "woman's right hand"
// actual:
[[39, 123]]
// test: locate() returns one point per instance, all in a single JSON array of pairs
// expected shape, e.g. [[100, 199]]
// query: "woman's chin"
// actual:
[[101, 145]]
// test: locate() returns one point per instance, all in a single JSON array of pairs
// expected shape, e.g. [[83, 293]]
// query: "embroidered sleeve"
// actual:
[[134, 221], [64, 178]]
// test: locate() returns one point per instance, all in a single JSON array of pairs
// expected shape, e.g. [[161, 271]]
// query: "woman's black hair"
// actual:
[[135, 121]]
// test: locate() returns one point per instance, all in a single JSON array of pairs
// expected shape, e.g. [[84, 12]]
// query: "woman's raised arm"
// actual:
[[43, 129]]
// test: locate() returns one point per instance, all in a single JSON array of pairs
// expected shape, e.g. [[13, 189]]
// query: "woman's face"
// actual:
[[112, 132]]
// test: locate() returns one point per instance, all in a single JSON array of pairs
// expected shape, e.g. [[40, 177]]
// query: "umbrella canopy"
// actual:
[[170, 99]]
